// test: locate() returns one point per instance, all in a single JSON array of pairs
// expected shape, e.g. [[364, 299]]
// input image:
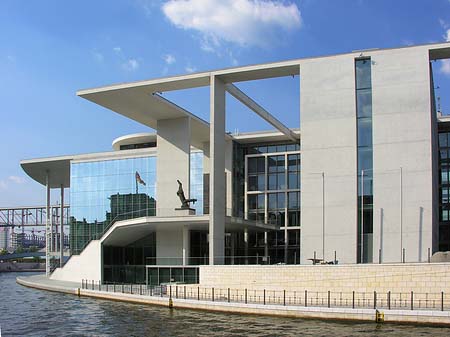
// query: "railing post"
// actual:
[[122, 288], [353, 299], [184, 292], [93, 286], [442, 301], [198, 293], [245, 295], [151, 291], [306, 298], [389, 300], [429, 258], [284, 297], [412, 300], [328, 298], [228, 295], [264, 296], [176, 291], [161, 290], [212, 294], [140, 289], [114, 286], [374, 299], [170, 291]]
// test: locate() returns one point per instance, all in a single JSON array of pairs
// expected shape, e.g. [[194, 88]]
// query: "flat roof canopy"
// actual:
[[125, 232], [58, 169]]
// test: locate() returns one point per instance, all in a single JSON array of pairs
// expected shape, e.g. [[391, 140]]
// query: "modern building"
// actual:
[[360, 181]]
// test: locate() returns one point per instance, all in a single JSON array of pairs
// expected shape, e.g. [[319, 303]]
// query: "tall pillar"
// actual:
[[217, 175], [186, 245], [61, 232], [48, 233], [246, 245]]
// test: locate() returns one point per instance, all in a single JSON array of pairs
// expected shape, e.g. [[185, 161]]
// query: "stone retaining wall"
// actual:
[[401, 278]]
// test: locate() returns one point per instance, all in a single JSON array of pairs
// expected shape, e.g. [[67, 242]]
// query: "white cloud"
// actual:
[[447, 35], [98, 56], [117, 49], [3, 185], [244, 22], [190, 69], [169, 59], [131, 65], [17, 179]]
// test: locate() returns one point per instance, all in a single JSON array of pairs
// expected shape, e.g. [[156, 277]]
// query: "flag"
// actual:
[[139, 180]]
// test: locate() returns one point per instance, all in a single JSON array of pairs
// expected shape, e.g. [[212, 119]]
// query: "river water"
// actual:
[[31, 312]]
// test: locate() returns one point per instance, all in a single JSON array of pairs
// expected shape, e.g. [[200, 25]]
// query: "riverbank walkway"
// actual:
[[196, 297]]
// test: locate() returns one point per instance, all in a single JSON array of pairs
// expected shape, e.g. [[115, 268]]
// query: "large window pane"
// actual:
[[364, 132], [363, 74], [364, 103]]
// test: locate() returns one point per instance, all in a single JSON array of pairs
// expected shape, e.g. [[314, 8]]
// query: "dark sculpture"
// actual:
[[184, 202]]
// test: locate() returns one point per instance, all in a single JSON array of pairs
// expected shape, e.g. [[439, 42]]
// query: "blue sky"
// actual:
[[50, 49]]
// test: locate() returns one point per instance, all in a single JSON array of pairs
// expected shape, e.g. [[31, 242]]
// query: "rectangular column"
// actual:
[[61, 259], [217, 176], [48, 234], [186, 245]]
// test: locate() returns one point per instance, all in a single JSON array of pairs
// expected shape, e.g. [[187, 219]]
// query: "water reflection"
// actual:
[[29, 312]]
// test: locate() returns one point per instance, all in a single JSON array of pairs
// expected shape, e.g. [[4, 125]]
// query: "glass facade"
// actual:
[[444, 189], [196, 181], [103, 192], [273, 196], [365, 158]]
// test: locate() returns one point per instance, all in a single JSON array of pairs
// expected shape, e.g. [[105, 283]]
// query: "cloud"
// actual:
[[131, 65], [190, 69], [169, 59], [117, 49], [3, 185], [243, 22], [447, 35], [98, 56], [17, 179]]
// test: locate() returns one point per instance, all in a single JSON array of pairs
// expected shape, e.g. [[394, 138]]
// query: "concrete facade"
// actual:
[[328, 146]]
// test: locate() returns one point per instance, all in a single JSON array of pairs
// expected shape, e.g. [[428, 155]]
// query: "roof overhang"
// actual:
[[125, 232], [57, 168]]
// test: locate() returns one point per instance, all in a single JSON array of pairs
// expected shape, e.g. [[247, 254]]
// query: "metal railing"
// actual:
[[328, 299]]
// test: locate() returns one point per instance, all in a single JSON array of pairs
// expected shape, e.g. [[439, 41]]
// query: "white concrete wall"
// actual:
[[402, 137], [328, 144], [85, 266], [169, 244], [173, 137]]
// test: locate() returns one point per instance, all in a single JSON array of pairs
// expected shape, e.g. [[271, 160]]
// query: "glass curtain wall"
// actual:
[[196, 181], [365, 159], [273, 196], [444, 190], [103, 192]]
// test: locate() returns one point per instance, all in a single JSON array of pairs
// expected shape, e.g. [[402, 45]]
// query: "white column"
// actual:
[[217, 175], [186, 245], [47, 228], [61, 232]]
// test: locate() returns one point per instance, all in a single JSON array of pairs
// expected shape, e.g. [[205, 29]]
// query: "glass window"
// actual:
[[363, 73], [365, 161], [294, 200], [364, 103], [364, 132], [272, 182], [443, 139], [252, 165], [281, 183], [272, 164]]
